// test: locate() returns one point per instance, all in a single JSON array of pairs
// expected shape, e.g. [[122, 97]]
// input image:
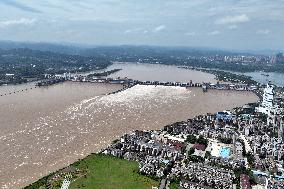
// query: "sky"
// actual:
[[226, 24]]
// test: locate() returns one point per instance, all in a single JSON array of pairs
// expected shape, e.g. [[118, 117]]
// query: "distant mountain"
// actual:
[[57, 48], [33, 59], [75, 49], [151, 51]]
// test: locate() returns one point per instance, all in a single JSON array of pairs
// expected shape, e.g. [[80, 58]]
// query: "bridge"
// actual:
[[15, 92], [127, 83]]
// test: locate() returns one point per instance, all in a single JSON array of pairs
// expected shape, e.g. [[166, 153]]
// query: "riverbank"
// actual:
[[100, 171], [159, 72], [226, 76], [94, 171]]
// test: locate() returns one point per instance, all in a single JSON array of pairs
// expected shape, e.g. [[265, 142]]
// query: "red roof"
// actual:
[[199, 147], [245, 184], [176, 144]]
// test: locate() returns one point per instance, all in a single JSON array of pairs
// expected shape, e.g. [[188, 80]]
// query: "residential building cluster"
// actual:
[[206, 176], [229, 149]]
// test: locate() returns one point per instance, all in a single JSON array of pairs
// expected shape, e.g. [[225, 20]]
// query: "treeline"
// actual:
[[198, 58], [25, 63], [103, 74], [19, 65]]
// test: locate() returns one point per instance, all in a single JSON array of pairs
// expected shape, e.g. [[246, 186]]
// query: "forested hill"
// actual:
[[50, 47], [16, 65], [198, 58], [39, 58]]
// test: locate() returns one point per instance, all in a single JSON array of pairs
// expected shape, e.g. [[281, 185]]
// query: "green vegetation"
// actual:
[[100, 172], [191, 151], [197, 159], [194, 140], [21, 65], [230, 77], [27, 63], [202, 140], [191, 139], [54, 180], [174, 184], [247, 111], [225, 140], [243, 145], [250, 158], [104, 74], [106, 172], [40, 184], [262, 117], [207, 155]]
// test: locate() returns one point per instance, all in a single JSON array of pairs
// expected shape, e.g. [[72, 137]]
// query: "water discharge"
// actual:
[[45, 129]]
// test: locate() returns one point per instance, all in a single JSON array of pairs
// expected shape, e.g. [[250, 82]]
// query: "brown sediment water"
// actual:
[[159, 72], [44, 130]]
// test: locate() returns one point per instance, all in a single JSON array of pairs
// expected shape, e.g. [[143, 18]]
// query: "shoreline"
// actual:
[[101, 152], [164, 105]]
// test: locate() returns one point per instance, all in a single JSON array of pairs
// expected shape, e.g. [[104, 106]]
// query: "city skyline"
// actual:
[[233, 24]]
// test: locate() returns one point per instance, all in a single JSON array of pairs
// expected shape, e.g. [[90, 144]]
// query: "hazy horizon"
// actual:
[[226, 25], [90, 46]]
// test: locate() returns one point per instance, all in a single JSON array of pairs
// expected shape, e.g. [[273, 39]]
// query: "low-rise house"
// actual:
[[244, 181]]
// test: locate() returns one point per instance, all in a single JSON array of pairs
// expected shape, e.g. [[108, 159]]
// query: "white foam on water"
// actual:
[[80, 128]]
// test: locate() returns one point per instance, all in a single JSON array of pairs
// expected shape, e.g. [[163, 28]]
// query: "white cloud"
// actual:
[[191, 33], [233, 19], [263, 31], [21, 21], [159, 28], [232, 27], [216, 32], [145, 31], [127, 31], [135, 30]]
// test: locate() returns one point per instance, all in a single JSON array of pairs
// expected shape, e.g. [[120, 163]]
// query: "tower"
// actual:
[[267, 101], [280, 129]]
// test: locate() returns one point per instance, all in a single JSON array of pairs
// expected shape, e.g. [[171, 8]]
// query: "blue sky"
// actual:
[[229, 24]]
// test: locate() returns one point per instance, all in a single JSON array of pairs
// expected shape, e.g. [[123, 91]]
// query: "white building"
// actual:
[[267, 106], [65, 184]]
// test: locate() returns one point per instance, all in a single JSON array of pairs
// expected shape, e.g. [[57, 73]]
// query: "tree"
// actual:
[[207, 154], [191, 139], [250, 158], [202, 140], [191, 151], [197, 159], [225, 140]]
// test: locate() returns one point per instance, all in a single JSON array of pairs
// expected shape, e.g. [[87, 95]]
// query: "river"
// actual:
[[159, 72], [172, 73], [264, 78], [45, 129]]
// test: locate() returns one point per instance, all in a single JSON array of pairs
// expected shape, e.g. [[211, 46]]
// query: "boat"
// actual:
[[265, 74]]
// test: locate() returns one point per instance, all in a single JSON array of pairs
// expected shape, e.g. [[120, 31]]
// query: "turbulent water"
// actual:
[[45, 129], [40, 132]]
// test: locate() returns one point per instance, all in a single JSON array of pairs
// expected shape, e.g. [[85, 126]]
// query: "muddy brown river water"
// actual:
[[45, 129]]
